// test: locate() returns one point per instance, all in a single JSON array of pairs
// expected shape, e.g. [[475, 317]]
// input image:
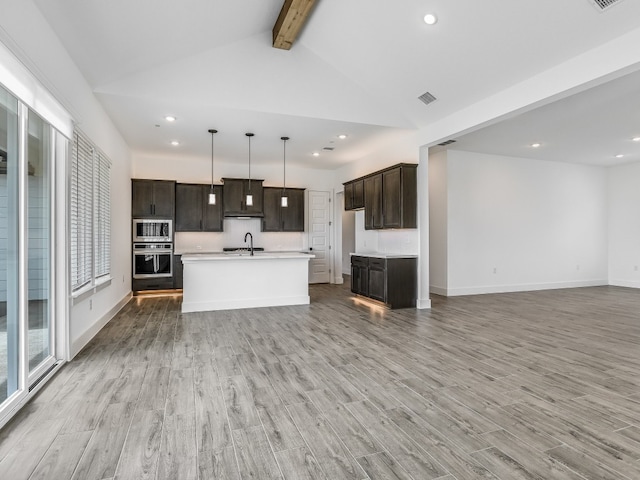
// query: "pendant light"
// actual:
[[249, 199], [284, 201], [212, 195]]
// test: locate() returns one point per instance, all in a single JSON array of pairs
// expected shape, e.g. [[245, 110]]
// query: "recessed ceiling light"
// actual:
[[315, 154], [342, 136], [619, 155], [175, 143], [430, 19], [535, 145], [636, 139], [170, 118]]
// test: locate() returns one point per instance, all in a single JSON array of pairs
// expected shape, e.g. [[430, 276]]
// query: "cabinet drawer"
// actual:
[[360, 261], [379, 263]]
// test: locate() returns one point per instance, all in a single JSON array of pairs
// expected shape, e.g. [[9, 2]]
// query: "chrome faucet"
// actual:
[[248, 234]]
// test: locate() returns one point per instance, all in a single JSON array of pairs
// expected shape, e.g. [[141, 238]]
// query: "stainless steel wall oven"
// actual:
[[152, 260]]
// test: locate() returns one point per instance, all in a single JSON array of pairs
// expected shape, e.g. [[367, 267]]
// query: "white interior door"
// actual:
[[320, 236]]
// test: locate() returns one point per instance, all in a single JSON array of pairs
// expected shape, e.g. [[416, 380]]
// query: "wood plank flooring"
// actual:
[[535, 385]]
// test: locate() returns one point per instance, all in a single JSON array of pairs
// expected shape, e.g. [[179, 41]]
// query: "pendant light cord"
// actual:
[[212, 147], [249, 135], [284, 164]]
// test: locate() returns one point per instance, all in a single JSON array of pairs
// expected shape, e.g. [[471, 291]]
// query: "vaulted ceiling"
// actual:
[[357, 68]]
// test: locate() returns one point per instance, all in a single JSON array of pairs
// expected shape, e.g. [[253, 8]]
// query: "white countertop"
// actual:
[[225, 256], [384, 255]]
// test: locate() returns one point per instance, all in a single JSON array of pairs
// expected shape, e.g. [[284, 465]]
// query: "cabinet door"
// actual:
[[255, 188], [355, 279], [141, 198], [164, 198], [392, 199], [233, 193], [360, 275], [358, 194], [177, 271], [188, 207], [348, 196], [271, 221], [293, 215], [212, 219], [377, 277], [373, 202]]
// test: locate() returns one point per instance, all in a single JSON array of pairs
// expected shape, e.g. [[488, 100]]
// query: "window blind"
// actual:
[[102, 216], [90, 214]]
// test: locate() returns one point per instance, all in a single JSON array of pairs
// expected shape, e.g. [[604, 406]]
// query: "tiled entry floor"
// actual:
[[540, 385]]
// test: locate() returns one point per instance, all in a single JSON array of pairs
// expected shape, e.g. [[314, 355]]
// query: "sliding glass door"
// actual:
[[38, 226], [27, 325], [8, 245]]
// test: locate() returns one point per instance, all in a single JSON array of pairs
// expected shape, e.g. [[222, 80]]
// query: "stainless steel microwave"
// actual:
[[152, 230]]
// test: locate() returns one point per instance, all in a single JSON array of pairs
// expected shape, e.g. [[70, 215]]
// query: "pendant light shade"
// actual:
[[249, 198], [284, 200], [212, 195]]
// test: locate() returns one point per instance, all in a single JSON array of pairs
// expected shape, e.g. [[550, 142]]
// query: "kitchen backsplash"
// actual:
[[233, 236], [385, 241]]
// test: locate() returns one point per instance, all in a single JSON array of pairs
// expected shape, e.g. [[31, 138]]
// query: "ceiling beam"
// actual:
[[290, 21]]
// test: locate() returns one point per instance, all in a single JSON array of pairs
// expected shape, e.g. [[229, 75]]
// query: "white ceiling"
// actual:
[[357, 68]]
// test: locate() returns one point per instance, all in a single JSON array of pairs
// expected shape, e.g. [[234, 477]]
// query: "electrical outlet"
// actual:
[[635, 268], [198, 247], [90, 304], [495, 270], [577, 267]]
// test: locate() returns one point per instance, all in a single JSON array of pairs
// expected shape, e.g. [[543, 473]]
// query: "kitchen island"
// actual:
[[227, 281]]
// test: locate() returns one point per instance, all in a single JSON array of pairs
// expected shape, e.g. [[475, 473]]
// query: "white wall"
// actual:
[[438, 212], [519, 224], [348, 238], [198, 170], [624, 225], [25, 32]]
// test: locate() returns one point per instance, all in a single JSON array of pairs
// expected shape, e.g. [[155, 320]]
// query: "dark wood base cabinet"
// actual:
[[162, 283], [393, 281]]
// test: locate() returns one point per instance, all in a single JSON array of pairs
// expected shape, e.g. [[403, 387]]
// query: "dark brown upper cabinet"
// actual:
[[354, 194], [235, 192], [193, 212], [373, 202], [153, 198], [390, 197], [283, 219]]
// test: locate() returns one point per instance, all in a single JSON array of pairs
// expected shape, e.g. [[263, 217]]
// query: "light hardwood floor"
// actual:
[[536, 385]]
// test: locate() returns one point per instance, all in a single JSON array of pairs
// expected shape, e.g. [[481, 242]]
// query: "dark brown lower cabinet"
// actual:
[[360, 275], [177, 271], [393, 281], [162, 283]]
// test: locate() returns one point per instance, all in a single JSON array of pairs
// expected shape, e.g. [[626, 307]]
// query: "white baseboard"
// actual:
[[233, 304], [454, 292], [438, 290], [80, 342], [624, 283], [423, 303], [338, 280]]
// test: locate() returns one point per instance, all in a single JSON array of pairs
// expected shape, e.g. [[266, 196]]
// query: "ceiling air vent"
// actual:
[[447, 142], [427, 98], [603, 4], [328, 148]]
